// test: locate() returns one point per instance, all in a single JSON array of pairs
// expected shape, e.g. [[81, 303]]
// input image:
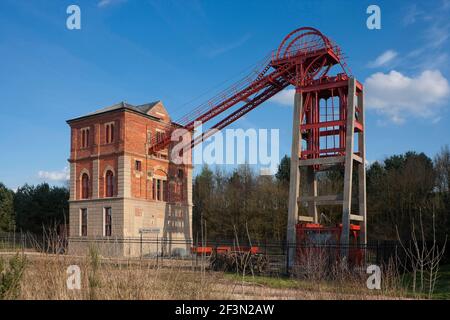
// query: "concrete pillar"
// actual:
[[294, 184], [349, 136], [362, 171], [312, 183]]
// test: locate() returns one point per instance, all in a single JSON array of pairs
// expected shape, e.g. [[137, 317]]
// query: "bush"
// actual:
[[10, 276]]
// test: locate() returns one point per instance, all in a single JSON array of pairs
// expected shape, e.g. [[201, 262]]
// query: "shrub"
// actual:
[[10, 276]]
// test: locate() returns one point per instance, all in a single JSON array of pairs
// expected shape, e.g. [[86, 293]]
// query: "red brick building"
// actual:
[[117, 188]]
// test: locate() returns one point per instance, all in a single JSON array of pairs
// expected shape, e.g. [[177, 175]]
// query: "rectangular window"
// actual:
[[154, 189], [84, 137], [158, 190], [138, 165], [107, 222], [165, 191], [86, 141], [109, 134], [112, 133], [83, 214]]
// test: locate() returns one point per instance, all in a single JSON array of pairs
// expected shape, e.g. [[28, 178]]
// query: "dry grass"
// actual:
[[45, 278]]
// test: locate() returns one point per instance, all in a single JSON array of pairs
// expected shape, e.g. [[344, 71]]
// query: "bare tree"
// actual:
[[442, 165], [424, 256]]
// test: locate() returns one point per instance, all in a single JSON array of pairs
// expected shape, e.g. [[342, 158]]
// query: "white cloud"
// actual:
[[56, 176], [383, 59], [398, 97], [285, 97], [106, 3], [432, 39]]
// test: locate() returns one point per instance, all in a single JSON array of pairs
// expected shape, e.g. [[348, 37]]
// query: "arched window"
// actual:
[[109, 176], [84, 186]]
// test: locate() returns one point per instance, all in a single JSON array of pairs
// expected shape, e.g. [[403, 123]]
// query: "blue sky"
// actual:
[[180, 52]]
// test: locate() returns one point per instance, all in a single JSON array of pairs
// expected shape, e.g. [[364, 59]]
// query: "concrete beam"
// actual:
[[348, 174], [325, 200], [322, 161], [357, 158], [305, 219], [294, 185], [331, 197], [362, 170], [356, 217]]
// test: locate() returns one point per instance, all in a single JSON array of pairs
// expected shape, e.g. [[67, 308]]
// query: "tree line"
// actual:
[[33, 208], [401, 190]]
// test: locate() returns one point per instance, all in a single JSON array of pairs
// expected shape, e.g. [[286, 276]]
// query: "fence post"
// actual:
[[141, 245], [287, 258], [378, 253], [163, 243], [196, 257], [157, 250], [22, 240]]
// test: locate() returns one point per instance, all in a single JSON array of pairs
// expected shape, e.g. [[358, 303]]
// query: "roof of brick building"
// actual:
[[144, 109]]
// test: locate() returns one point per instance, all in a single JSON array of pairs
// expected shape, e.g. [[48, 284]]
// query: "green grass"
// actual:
[[290, 283], [10, 247], [272, 282], [442, 290]]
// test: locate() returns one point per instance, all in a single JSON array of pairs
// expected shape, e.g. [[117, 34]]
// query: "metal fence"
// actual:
[[18, 241], [281, 257]]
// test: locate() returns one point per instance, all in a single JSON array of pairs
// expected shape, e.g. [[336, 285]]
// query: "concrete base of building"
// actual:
[[136, 227], [130, 248]]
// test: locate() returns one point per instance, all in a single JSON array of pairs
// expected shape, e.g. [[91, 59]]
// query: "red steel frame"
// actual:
[[303, 59], [313, 128]]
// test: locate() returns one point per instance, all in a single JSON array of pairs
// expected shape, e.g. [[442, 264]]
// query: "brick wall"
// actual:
[[133, 205]]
